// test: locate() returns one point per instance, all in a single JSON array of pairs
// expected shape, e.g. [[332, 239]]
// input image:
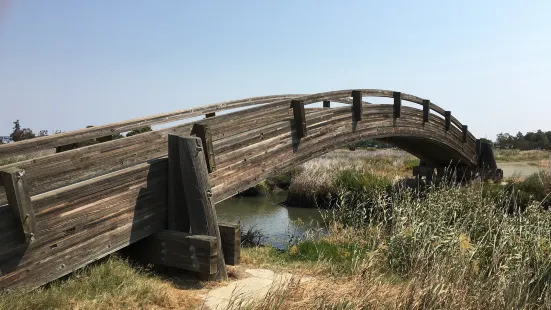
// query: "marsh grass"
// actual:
[[475, 246], [508, 155]]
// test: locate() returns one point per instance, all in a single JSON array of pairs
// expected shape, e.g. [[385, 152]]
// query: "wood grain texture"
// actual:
[[202, 215], [230, 235], [180, 250]]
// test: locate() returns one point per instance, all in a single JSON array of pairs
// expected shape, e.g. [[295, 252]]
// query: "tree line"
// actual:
[[530, 141]]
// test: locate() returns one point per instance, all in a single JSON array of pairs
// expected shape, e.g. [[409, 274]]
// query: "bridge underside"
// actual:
[[428, 151]]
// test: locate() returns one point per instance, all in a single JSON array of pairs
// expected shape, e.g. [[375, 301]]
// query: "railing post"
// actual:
[[397, 104], [447, 119], [19, 199], [465, 133], [202, 215], [300, 118], [357, 107], [326, 103], [203, 132], [426, 110]]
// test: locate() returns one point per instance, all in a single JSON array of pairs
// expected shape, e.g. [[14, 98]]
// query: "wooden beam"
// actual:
[[326, 103], [300, 118], [231, 242], [202, 131], [465, 130], [202, 214], [447, 120], [17, 193], [181, 250], [397, 104], [426, 110], [178, 218], [357, 107]]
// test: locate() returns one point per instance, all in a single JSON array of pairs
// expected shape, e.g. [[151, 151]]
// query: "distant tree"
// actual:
[[19, 134], [139, 131], [487, 141]]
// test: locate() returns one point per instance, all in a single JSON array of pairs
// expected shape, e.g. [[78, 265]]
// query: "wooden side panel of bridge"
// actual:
[[89, 202]]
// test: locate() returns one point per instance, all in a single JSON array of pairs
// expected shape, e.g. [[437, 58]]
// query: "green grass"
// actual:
[[112, 283]]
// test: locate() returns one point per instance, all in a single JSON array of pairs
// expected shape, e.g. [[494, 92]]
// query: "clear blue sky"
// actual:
[[67, 64]]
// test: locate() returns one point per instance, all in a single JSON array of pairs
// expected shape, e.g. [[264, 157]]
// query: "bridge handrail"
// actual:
[[52, 141]]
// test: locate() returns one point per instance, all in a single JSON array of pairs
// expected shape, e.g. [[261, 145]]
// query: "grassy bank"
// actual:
[[512, 155], [112, 283], [452, 247], [319, 181]]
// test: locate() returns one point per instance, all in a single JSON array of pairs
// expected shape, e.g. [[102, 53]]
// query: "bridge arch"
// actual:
[[250, 145]]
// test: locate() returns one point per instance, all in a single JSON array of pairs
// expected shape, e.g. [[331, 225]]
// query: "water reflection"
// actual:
[[279, 224]]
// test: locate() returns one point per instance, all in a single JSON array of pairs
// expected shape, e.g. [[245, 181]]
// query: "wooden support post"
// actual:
[[478, 144], [203, 132], [426, 110], [17, 193], [397, 104], [447, 120], [465, 130], [357, 107], [202, 214], [178, 218], [326, 103], [181, 250], [300, 118], [230, 235], [209, 115]]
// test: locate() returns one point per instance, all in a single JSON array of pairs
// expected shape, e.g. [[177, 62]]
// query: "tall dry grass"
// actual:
[[473, 246]]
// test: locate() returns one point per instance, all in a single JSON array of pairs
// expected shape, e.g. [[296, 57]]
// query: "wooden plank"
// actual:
[[181, 250], [57, 170], [357, 106], [202, 131], [397, 104], [17, 192], [99, 218], [299, 117], [426, 110], [447, 123], [230, 235], [326, 103], [178, 218], [253, 168], [202, 214], [465, 131], [52, 141]]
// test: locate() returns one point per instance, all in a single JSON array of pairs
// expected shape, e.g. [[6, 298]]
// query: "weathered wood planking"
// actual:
[[250, 166], [180, 250], [246, 145], [230, 234], [48, 142], [81, 223]]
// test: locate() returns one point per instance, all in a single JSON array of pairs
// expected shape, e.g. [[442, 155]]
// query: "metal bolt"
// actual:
[[26, 217], [20, 174], [209, 193], [199, 148]]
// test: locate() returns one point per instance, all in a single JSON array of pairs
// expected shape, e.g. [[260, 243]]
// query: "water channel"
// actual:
[[279, 223]]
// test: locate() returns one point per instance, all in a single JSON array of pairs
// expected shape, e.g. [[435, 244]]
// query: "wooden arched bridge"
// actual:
[[61, 211]]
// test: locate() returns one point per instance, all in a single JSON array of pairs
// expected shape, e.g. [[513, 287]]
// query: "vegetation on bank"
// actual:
[[447, 247], [112, 283], [512, 155]]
